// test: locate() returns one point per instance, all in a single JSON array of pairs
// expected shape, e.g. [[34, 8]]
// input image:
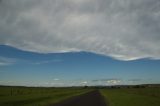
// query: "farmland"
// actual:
[[32, 96], [132, 96]]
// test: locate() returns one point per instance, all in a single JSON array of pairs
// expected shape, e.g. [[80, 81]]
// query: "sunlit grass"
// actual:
[[132, 97]]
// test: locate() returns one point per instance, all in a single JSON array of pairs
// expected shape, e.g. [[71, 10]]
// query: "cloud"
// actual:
[[84, 82], [56, 79], [135, 80], [107, 81], [122, 29], [47, 61], [113, 81], [4, 61]]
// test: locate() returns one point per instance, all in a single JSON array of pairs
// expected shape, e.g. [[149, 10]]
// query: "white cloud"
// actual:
[[122, 29], [113, 81], [4, 61], [56, 79], [84, 82], [47, 61]]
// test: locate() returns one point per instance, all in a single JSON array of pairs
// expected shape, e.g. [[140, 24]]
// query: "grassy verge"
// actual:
[[23, 96], [132, 97]]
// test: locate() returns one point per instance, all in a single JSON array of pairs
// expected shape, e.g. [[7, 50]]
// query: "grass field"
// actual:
[[132, 96], [30, 96]]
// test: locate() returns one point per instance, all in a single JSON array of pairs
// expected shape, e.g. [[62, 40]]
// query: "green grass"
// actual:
[[132, 97], [30, 96], [25, 96]]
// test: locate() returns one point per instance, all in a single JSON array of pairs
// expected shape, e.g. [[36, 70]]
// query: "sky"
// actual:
[[79, 42]]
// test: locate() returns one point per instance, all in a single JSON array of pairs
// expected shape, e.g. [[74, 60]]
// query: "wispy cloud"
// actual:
[[47, 61], [105, 79], [135, 80], [4, 61], [56, 79], [122, 29]]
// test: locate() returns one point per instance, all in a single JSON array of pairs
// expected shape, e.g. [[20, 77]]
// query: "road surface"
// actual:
[[93, 98]]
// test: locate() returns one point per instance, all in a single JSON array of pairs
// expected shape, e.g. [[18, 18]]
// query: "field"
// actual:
[[40, 96], [30, 96], [132, 96]]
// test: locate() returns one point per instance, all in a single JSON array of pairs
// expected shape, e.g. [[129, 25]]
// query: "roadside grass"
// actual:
[[132, 96], [30, 96]]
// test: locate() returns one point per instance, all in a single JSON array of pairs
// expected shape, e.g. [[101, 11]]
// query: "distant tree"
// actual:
[[137, 86], [85, 86]]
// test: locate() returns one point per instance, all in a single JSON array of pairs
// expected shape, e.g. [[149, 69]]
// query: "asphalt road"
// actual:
[[92, 98]]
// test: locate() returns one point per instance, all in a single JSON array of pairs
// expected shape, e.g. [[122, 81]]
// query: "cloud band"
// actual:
[[122, 29]]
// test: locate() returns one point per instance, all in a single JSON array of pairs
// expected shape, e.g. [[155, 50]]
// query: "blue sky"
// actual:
[[79, 42], [72, 69]]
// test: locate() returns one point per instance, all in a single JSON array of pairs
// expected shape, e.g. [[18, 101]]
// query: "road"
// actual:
[[92, 98]]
